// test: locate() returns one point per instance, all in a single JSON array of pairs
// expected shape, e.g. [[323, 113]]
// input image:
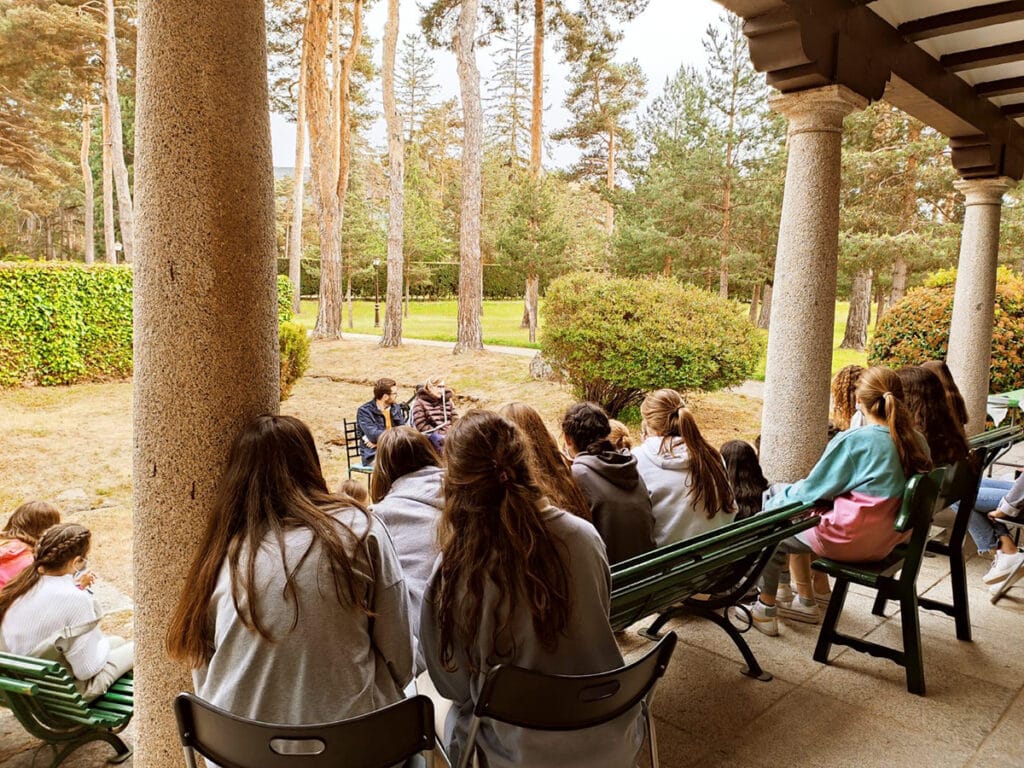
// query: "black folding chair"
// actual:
[[380, 739], [542, 702]]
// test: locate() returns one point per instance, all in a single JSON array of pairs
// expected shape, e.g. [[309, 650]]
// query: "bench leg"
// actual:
[[653, 632], [878, 608], [121, 750], [912, 657], [753, 669], [828, 626]]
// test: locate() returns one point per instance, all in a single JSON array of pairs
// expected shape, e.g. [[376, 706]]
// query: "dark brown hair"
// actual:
[[382, 387], [494, 537], [880, 393], [745, 476], [400, 450], [272, 482], [844, 395], [925, 398], [956, 401], [57, 547], [667, 416], [28, 521], [550, 469]]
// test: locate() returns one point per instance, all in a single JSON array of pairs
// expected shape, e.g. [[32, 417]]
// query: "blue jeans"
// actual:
[[986, 532]]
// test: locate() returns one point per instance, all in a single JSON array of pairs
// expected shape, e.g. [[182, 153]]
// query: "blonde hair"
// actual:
[[355, 491], [880, 393], [667, 416], [619, 436]]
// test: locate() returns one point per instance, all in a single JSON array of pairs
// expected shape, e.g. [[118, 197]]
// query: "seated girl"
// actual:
[[406, 489], [863, 473], [844, 414], [297, 611], [43, 603], [18, 538], [433, 410], [746, 479], [684, 473], [517, 583]]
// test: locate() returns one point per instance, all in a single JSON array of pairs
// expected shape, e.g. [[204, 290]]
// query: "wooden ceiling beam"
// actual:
[[1014, 110], [1003, 87], [962, 20], [976, 58]]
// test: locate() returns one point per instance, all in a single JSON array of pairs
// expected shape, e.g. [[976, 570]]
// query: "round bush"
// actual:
[[294, 343], [917, 328], [618, 338]]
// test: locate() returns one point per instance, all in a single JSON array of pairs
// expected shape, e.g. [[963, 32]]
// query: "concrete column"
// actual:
[[970, 331], [795, 415], [205, 325]]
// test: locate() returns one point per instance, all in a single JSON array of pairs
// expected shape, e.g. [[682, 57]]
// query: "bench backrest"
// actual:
[[720, 562], [921, 500], [47, 683]]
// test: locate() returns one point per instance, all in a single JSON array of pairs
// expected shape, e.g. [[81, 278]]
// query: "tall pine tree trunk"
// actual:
[[392, 336], [755, 299], [537, 98], [298, 191], [87, 184], [723, 257], [109, 238], [765, 315], [857, 319], [609, 210], [125, 215], [471, 297], [351, 319], [908, 212], [880, 296], [532, 301]]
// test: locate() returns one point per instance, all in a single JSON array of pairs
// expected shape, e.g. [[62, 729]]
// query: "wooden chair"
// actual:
[[380, 739], [43, 697], [353, 445], [721, 566], [533, 700], [921, 500]]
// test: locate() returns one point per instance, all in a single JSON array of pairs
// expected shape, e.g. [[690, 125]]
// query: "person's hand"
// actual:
[[85, 579]]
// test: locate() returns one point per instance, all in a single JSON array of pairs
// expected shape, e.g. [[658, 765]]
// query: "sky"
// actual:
[[664, 37]]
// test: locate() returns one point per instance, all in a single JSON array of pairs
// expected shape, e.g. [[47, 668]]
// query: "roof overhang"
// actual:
[[956, 65]]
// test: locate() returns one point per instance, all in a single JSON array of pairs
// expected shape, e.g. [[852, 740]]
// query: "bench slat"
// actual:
[[17, 686], [27, 665]]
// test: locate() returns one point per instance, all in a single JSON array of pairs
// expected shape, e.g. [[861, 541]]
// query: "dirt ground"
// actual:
[[73, 445]]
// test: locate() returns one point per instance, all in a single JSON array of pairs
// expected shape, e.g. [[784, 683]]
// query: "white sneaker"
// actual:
[[809, 614], [1002, 566], [784, 594], [822, 598], [764, 618], [1006, 583]]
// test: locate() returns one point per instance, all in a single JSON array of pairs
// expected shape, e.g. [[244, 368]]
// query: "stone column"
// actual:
[[205, 324], [795, 415], [970, 331]]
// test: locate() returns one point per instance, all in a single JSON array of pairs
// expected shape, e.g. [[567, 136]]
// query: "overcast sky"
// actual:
[[667, 35]]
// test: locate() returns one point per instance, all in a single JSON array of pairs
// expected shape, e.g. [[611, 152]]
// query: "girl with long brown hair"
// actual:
[[518, 583], [844, 398], [957, 406], [550, 465], [685, 474], [925, 398], [863, 472], [293, 589], [43, 603], [19, 536], [406, 488]]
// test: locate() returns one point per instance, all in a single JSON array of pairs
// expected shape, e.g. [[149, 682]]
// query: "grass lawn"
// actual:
[[437, 320]]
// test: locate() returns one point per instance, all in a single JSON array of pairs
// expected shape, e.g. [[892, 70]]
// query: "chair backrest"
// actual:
[[353, 441], [534, 700], [376, 740], [921, 500]]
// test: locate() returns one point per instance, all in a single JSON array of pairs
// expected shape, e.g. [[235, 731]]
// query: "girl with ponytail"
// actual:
[[43, 603], [685, 474], [518, 582], [863, 473]]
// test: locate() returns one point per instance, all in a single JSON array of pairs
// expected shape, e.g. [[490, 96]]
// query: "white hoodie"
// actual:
[[667, 477]]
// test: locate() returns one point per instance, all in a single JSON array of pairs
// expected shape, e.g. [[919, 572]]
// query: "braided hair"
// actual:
[[57, 547]]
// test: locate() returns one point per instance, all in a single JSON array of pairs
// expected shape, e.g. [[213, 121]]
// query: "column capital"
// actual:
[[984, 191], [819, 110]]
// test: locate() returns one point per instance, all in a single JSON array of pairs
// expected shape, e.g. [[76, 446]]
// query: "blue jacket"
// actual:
[[372, 425]]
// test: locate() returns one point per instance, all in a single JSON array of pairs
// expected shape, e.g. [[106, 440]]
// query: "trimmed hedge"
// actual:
[[618, 338], [917, 328], [67, 323]]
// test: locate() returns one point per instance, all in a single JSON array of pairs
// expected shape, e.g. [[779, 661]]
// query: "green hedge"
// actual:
[[66, 323], [62, 323]]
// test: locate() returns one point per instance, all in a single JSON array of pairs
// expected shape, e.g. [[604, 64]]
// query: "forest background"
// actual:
[[477, 192]]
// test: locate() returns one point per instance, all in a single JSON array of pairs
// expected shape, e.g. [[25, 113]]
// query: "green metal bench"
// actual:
[[921, 500], [720, 566], [43, 697]]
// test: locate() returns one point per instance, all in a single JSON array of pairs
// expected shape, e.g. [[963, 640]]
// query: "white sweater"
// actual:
[[667, 475], [44, 611]]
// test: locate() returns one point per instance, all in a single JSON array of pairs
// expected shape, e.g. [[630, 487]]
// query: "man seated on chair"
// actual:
[[379, 414]]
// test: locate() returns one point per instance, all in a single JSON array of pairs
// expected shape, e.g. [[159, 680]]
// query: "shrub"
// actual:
[[285, 294], [917, 328], [294, 355], [617, 338]]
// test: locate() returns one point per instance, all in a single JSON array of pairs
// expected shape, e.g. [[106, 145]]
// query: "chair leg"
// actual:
[[878, 607], [652, 737], [912, 656], [961, 606], [466, 759], [828, 626]]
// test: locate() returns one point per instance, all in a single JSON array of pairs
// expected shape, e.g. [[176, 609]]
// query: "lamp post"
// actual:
[[376, 293]]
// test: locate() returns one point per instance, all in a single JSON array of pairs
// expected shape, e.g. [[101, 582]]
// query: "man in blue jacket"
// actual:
[[379, 414]]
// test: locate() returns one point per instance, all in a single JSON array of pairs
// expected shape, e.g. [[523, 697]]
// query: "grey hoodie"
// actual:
[[619, 502], [410, 511]]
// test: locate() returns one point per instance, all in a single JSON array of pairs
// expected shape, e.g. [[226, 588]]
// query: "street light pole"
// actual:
[[376, 293]]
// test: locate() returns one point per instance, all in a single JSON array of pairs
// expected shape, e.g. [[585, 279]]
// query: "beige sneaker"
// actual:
[[808, 614]]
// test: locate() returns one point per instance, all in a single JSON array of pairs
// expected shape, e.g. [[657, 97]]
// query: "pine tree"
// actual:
[[414, 83], [508, 99]]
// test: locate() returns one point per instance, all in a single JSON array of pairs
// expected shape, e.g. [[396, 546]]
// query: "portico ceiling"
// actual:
[[956, 65]]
